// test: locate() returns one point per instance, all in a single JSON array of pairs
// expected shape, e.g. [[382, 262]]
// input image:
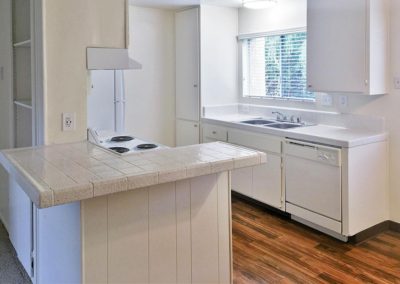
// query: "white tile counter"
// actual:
[[59, 174], [339, 136]]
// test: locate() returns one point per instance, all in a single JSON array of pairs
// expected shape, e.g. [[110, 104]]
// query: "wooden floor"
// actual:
[[268, 248]]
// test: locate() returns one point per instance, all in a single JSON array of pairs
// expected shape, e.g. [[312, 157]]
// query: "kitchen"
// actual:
[[346, 130]]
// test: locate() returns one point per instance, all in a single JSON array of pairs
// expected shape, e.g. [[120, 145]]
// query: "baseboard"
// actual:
[[370, 232], [395, 226], [260, 204]]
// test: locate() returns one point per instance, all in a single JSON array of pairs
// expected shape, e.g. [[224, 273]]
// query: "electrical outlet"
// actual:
[[396, 81], [326, 100], [68, 121], [343, 101]]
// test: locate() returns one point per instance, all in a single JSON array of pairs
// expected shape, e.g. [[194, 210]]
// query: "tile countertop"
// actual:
[[323, 134], [59, 174]]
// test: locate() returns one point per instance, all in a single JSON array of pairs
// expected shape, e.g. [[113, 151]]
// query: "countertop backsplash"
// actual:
[[350, 121]]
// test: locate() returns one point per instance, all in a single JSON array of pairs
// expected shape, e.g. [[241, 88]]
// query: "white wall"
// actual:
[[5, 98], [287, 14], [70, 26], [219, 78], [150, 92]]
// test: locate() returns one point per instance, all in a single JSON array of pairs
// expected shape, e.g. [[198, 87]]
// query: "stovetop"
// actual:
[[121, 144]]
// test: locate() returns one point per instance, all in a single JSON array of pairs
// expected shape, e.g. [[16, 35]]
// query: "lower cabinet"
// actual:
[[267, 182], [187, 132], [262, 183]]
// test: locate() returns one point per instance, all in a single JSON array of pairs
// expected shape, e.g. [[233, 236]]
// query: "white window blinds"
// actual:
[[275, 66]]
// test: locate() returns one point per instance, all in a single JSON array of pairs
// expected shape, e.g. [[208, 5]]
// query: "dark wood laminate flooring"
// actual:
[[268, 248]]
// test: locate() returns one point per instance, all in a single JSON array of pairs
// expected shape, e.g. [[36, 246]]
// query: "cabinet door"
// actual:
[[267, 182], [242, 181], [336, 46], [20, 224], [187, 133], [187, 64]]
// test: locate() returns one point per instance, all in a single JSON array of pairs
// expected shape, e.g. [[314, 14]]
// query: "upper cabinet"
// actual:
[[347, 47], [187, 64]]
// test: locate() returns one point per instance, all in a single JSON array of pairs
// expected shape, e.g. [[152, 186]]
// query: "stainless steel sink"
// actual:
[[258, 122], [284, 125]]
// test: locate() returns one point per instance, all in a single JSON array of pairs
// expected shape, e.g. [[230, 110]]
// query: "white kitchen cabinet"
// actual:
[[187, 64], [264, 182], [187, 132], [267, 182], [212, 133], [20, 224], [347, 46], [242, 181]]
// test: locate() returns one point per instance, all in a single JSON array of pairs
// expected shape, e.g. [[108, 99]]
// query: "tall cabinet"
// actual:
[[187, 27]]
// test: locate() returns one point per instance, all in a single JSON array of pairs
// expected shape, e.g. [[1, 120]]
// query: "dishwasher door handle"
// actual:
[[302, 145]]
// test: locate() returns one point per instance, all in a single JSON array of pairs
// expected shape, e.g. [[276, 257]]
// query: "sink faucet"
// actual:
[[279, 116]]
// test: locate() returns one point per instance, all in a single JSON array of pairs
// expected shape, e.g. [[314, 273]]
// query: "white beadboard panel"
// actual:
[[224, 228], [204, 204], [94, 240], [183, 232], [128, 236], [176, 232], [162, 234]]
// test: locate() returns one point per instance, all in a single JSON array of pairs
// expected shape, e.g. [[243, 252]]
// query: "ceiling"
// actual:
[[176, 4]]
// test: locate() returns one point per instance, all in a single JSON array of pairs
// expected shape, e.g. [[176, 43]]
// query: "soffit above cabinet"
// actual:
[[110, 59], [178, 4]]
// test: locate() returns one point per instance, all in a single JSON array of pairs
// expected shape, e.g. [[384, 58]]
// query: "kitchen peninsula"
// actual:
[[158, 216]]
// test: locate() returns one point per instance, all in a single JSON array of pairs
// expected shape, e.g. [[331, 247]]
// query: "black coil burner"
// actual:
[[146, 146], [120, 150], [121, 138]]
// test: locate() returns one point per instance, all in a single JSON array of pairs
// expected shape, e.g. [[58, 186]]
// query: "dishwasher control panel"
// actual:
[[316, 152]]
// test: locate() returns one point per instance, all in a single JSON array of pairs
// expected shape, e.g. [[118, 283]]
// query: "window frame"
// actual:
[[242, 37]]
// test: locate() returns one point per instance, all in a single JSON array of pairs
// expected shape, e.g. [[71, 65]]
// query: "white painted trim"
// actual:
[[38, 124], [271, 33]]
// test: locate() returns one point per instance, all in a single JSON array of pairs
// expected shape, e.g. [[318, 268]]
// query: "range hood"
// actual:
[[110, 59]]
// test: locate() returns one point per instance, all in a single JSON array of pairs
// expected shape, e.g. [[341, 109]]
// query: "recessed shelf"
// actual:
[[25, 43], [24, 103]]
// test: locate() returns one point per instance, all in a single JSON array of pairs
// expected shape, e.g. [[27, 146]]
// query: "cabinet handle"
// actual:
[[214, 132], [195, 85], [195, 125]]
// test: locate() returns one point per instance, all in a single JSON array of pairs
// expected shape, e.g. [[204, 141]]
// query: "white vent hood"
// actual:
[[110, 59]]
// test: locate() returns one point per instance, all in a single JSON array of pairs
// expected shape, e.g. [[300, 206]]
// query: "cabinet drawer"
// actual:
[[257, 141], [216, 133]]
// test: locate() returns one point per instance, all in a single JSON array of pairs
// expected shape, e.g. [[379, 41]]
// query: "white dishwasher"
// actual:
[[314, 184]]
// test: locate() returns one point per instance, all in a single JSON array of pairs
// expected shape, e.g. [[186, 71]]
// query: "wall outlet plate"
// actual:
[[343, 101], [396, 82], [68, 121], [326, 100]]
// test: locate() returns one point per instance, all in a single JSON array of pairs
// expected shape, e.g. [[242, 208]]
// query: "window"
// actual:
[[274, 66]]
